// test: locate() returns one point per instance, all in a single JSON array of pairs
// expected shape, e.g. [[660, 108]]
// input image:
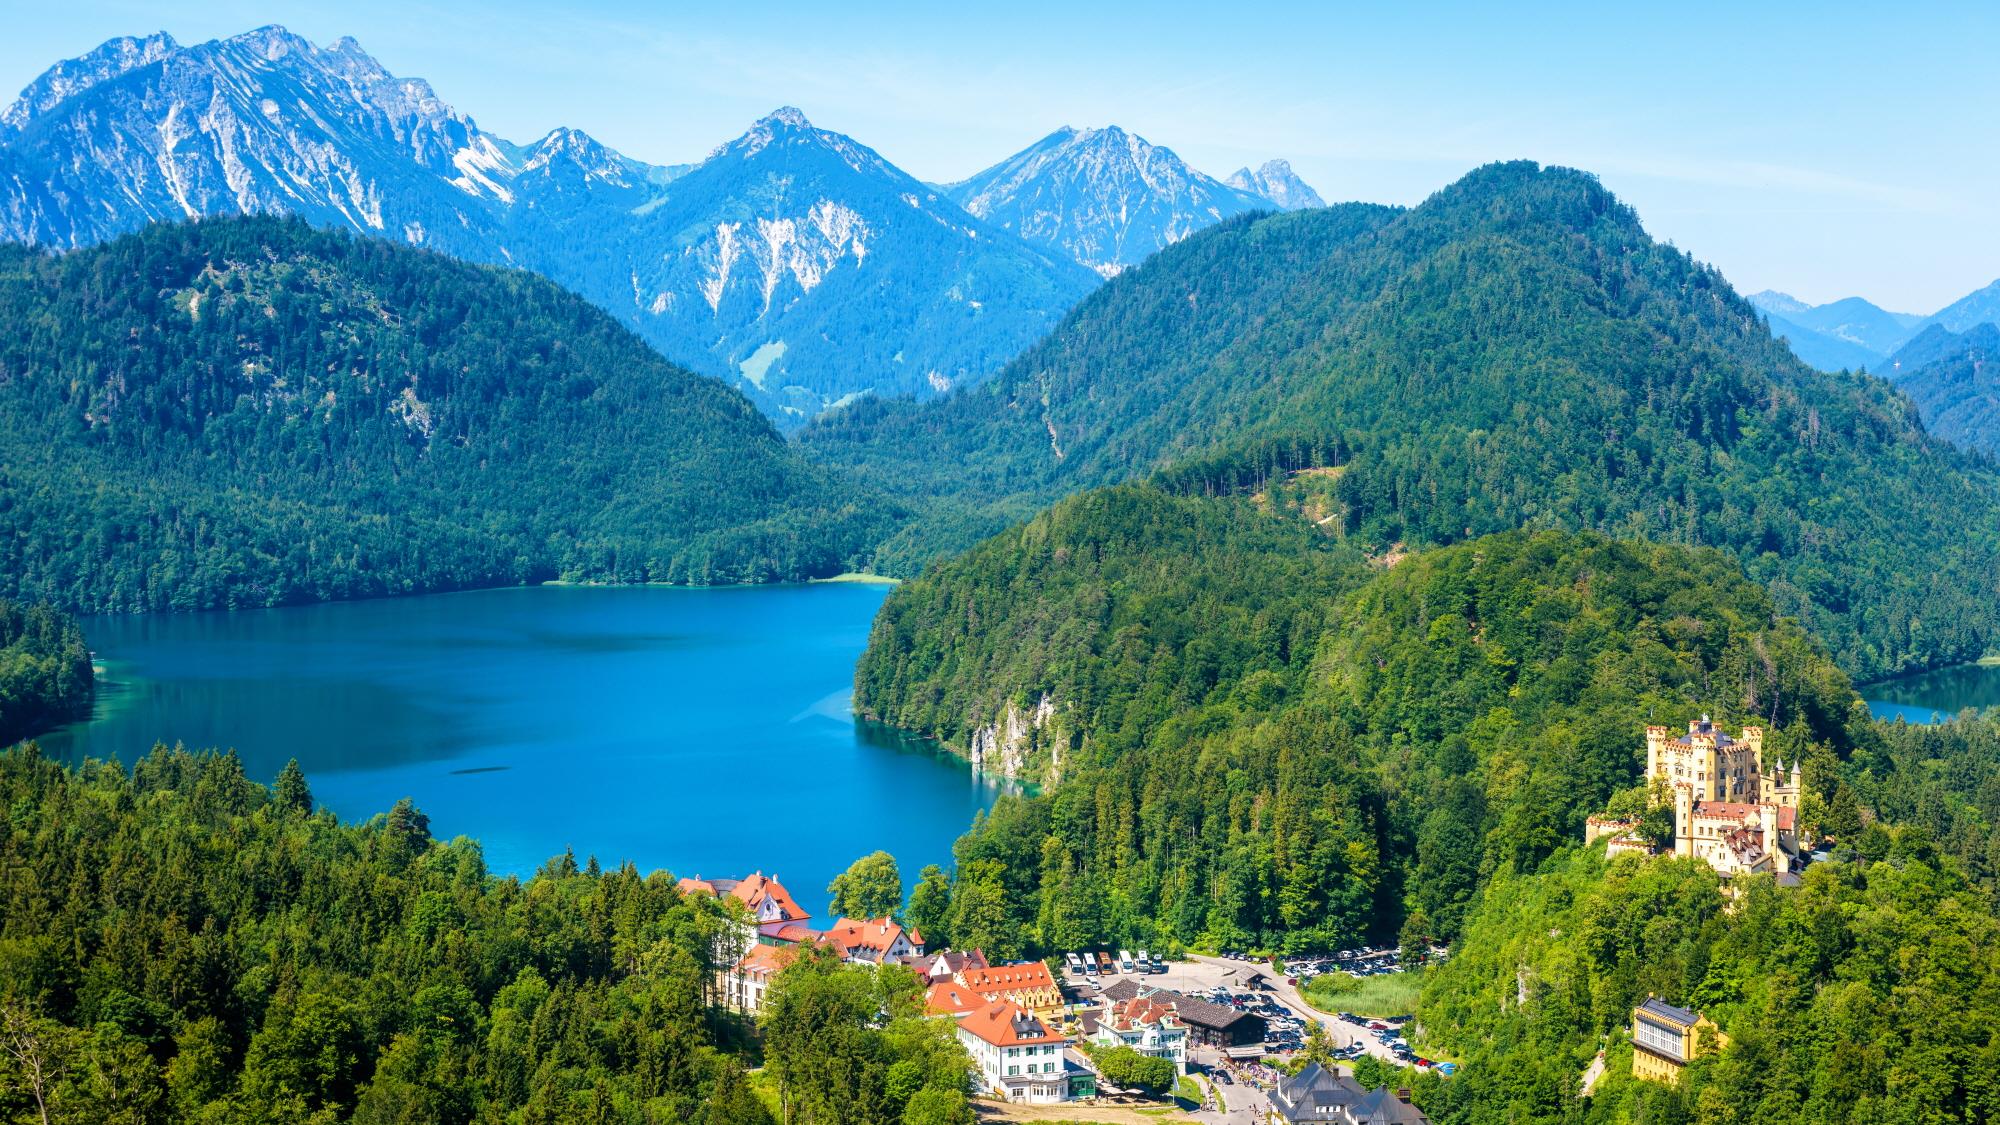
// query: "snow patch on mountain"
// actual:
[[1274, 180]]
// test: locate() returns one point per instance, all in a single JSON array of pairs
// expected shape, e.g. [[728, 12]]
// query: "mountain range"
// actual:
[[1852, 333], [793, 262], [252, 411], [1954, 380], [1514, 351]]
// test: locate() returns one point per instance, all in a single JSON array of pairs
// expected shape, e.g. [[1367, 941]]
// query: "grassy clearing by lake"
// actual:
[[866, 579], [1375, 997]]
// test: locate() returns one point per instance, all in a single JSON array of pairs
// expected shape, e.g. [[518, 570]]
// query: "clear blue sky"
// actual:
[[1826, 149]]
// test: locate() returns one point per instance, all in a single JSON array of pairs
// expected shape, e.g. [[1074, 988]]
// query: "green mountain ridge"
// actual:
[[249, 412], [1514, 352], [1262, 744]]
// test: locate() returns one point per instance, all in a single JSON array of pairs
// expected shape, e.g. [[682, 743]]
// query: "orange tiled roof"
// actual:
[[1007, 1025], [1008, 978], [765, 959], [758, 887], [950, 998], [1140, 1011], [873, 933]]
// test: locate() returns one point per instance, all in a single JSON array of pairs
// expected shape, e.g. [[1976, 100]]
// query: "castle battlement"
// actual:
[[1729, 807]]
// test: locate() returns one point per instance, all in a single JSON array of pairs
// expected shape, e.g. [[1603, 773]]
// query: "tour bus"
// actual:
[[1147, 964], [1124, 960], [1075, 964]]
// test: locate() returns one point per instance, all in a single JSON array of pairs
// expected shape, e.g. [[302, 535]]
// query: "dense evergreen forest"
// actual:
[[179, 943], [1514, 352], [1952, 379], [1868, 994], [1304, 752], [250, 412], [45, 674]]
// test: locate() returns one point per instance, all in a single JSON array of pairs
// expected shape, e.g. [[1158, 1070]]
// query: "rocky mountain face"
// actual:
[[793, 262], [1274, 180], [816, 271], [1104, 197]]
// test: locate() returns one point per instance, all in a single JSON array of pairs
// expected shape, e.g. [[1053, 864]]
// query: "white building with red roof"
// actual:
[[746, 983], [1017, 1054], [1148, 1024], [874, 941]]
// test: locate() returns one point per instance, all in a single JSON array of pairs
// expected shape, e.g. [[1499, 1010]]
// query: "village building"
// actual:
[[775, 917], [875, 941], [1028, 984], [946, 964], [950, 998], [1017, 1055], [1665, 1039], [1148, 1025], [1323, 1096], [1208, 1024], [746, 983], [1730, 809]]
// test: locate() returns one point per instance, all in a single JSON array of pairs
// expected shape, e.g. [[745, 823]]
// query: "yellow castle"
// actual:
[[1729, 809]]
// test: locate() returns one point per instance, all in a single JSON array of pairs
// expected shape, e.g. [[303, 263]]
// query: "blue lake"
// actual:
[[1931, 696], [702, 731]]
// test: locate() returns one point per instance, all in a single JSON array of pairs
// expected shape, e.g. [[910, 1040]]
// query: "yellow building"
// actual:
[[1028, 984], [1665, 1039], [1730, 807]]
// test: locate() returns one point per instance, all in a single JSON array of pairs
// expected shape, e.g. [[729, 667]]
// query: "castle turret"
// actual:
[[1656, 740], [1683, 821]]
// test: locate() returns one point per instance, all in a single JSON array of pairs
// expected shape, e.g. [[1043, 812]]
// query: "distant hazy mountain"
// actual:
[[1850, 332], [793, 262], [1276, 181], [1954, 378], [1981, 306], [1103, 197]]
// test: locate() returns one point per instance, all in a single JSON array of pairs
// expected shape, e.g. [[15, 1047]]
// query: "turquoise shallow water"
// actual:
[[1932, 696], [702, 731]]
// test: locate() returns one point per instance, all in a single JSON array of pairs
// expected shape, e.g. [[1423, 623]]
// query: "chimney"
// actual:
[[1403, 1094]]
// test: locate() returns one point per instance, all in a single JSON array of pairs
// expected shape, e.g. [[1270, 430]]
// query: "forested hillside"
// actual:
[[181, 944], [250, 412], [1120, 606], [1866, 995], [45, 674], [1305, 756], [1954, 382], [1515, 352]]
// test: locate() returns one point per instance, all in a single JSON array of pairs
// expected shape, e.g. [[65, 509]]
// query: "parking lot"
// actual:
[[1254, 986]]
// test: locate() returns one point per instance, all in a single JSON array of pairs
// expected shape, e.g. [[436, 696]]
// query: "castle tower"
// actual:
[[1656, 741], [1683, 821]]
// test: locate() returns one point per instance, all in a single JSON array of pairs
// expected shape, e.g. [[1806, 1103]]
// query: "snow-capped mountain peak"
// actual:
[[1103, 196], [795, 262], [1274, 180], [71, 77]]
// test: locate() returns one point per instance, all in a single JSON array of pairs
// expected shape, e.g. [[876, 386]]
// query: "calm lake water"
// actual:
[[702, 731], [1937, 695]]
